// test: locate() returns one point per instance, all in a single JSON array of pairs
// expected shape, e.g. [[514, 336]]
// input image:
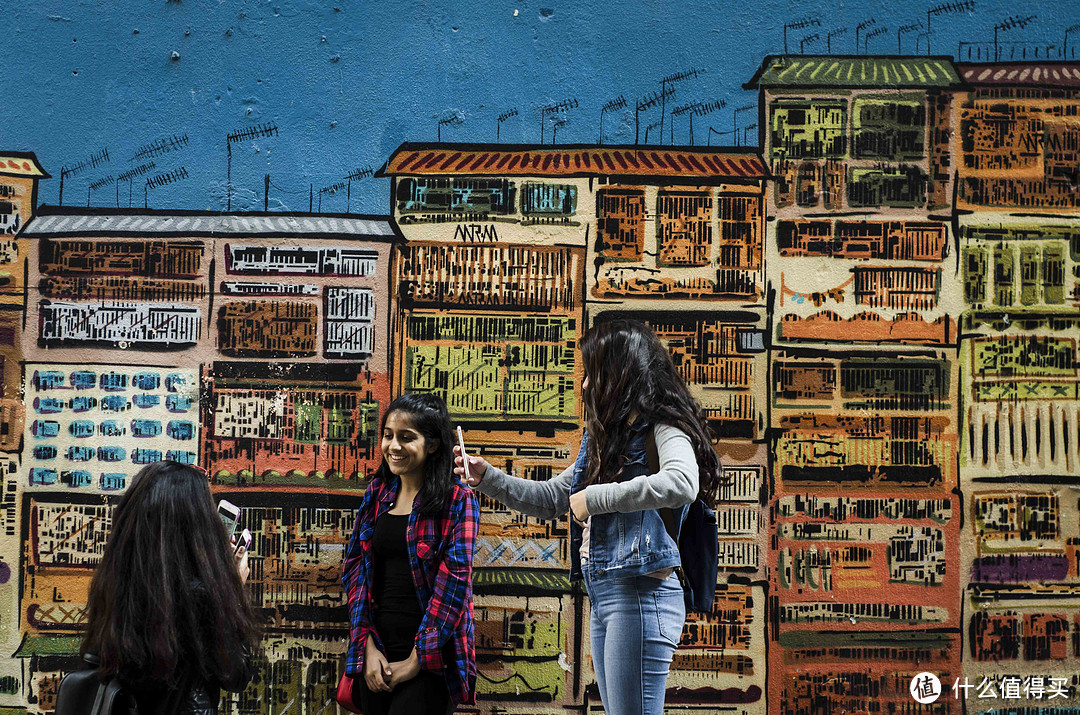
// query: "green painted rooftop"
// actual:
[[839, 71], [48, 645]]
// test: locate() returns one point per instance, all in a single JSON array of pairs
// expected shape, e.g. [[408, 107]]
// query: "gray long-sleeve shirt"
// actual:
[[673, 486]]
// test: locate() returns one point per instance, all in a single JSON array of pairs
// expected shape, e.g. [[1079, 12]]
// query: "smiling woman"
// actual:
[[408, 571]]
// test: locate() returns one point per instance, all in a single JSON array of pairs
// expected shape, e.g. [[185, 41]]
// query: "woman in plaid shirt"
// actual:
[[408, 571]]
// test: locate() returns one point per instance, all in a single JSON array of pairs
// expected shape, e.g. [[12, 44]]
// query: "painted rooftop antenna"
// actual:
[[555, 124], [162, 180], [748, 128], [828, 38], [355, 175], [735, 120], [809, 39], [555, 108], [692, 73], [648, 102], [612, 106], [904, 30], [1065, 41], [161, 146], [871, 35], [799, 25], [92, 162], [331, 189], [245, 134], [699, 109], [949, 8], [654, 125], [513, 112], [454, 120], [860, 27], [103, 181], [1009, 24], [140, 170]]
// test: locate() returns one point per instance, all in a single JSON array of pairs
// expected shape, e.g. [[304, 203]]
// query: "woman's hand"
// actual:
[[578, 508], [376, 670], [477, 467], [404, 669], [241, 556]]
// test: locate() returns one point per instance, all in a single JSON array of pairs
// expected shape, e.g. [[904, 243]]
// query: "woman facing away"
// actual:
[[618, 542], [408, 571], [168, 612]]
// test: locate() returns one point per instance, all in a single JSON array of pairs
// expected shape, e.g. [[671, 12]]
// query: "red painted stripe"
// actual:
[[450, 160], [404, 162]]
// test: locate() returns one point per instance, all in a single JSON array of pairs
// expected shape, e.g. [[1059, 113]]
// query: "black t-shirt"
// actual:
[[398, 613], [395, 592]]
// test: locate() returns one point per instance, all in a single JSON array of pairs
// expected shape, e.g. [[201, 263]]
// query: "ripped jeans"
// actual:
[[635, 624]]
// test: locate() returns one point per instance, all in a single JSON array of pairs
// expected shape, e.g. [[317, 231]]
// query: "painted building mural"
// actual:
[[871, 283]]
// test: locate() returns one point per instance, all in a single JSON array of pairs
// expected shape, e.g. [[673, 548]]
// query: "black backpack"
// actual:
[[698, 542], [82, 692]]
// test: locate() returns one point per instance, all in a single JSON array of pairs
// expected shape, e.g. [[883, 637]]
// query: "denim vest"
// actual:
[[622, 545]]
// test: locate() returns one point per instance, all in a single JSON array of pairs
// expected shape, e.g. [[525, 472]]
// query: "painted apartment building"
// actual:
[[254, 346], [510, 252], [1015, 153], [863, 507]]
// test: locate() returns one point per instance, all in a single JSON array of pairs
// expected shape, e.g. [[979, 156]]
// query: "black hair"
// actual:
[[167, 596], [631, 374], [428, 416]]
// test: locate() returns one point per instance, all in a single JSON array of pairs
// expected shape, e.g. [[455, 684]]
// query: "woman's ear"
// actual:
[[432, 446]]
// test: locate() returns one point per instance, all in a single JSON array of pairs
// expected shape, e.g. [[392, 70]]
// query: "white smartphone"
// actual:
[[461, 443], [230, 514], [244, 540]]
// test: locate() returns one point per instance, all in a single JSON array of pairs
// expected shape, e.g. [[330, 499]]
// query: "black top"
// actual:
[[394, 592]]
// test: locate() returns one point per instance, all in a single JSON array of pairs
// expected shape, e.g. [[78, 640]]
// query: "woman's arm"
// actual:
[[449, 598], [549, 499], [673, 486]]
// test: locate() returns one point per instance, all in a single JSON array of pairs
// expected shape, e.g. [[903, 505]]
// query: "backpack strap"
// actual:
[[652, 454], [99, 699], [109, 694]]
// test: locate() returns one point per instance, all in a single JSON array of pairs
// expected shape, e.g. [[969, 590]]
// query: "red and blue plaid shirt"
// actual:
[[440, 556]]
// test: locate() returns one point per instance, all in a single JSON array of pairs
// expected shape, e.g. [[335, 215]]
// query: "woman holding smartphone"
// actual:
[[408, 571], [168, 613], [635, 402]]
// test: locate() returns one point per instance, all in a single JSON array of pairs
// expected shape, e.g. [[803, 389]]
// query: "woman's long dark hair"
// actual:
[[167, 597], [428, 416], [630, 373]]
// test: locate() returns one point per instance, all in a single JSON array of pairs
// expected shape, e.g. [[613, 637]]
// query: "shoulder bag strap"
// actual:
[[653, 456], [99, 699], [666, 514]]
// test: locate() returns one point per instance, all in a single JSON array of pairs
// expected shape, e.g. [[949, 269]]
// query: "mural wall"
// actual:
[[877, 304]]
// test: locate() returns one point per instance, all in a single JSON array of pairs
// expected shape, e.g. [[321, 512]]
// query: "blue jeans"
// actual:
[[636, 622]]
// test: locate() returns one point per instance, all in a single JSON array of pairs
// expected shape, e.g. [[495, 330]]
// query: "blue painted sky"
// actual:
[[346, 82]]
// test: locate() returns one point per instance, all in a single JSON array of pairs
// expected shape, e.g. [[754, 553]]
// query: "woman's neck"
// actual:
[[410, 487]]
